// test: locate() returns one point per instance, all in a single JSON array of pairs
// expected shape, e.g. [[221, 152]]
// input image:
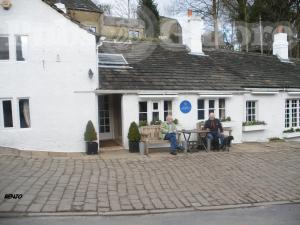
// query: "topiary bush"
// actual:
[[90, 133], [134, 133]]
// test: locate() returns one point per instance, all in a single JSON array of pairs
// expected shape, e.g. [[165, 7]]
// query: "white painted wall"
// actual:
[[130, 113], [270, 108], [58, 114]]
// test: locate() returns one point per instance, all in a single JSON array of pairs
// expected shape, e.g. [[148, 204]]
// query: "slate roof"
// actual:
[[84, 5], [160, 67]]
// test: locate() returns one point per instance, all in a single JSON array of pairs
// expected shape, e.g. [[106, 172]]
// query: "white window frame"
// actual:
[[251, 114], [9, 48], [150, 110], [155, 110], [143, 112], [207, 109], [290, 113]]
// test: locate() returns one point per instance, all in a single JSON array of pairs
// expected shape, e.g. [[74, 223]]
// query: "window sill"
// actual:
[[15, 129], [254, 128], [291, 135]]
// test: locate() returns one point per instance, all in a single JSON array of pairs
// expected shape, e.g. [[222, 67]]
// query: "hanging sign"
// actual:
[[185, 106]]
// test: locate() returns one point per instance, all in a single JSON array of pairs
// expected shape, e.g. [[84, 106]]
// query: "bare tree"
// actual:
[[121, 8]]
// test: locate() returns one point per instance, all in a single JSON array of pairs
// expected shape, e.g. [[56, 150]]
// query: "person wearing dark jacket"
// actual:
[[215, 129]]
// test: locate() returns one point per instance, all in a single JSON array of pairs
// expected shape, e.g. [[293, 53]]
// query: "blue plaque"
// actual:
[[185, 106]]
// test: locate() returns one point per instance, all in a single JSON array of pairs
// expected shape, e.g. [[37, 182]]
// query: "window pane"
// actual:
[[143, 106], [7, 113], [165, 115], [211, 104], [4, 48], [167, 108], [155, 105], [21, 47], [200, 114], [107, 129], [24, 113], [222, 103], [200, 104], [222, 114], [143, 117], [155, 116]]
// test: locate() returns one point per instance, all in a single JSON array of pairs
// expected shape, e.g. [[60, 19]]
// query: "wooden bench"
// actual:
[[200, 126], [151, 135]]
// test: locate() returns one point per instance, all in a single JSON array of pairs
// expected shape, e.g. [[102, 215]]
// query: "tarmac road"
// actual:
[[288, 214]]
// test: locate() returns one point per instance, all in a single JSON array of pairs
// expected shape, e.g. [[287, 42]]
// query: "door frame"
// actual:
[[106, 135]]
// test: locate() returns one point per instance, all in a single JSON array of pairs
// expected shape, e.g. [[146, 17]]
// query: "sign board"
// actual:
[[185, 106]]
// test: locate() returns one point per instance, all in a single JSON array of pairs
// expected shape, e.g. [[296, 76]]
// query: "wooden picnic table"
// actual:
[[187, 135]]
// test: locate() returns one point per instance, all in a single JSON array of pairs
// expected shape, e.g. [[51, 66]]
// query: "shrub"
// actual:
[[90, 132], [134, 133], [228, 118], [289, 130], [143, 123], [176, 121], [252, 123], [275, 139], [157, 122]]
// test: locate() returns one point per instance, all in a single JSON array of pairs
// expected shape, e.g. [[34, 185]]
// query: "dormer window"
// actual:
[[111, 60]]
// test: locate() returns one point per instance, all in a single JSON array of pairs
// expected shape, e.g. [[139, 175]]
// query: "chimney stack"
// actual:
[[195, 26], [280, 44]]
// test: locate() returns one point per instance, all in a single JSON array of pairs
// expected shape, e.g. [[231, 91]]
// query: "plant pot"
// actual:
[[254, 128], [142, 148], [291, 135], [91, 148], [134, 146]]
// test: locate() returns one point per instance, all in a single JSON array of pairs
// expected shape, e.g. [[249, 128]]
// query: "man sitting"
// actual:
[[168, 132], [215, 129]]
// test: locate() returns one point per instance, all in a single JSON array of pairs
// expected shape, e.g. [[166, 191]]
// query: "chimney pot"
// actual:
[[280, 29], [281, 45], [190, 12], [195, 26]]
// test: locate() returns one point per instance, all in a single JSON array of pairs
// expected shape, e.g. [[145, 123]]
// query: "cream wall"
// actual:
[[87, 18]]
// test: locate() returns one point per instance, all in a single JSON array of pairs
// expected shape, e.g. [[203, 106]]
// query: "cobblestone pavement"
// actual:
[[147, 183]]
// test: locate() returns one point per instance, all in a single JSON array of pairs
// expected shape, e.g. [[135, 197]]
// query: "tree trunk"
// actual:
[[216, 25]]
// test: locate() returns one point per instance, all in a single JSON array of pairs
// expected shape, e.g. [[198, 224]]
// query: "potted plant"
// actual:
[[291, 133], [157, 122], [254, 126], [90, 137], [134, 137], [226, 122]]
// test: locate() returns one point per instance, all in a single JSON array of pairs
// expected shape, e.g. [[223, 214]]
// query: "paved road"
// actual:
[[270, 215], [154, 183]]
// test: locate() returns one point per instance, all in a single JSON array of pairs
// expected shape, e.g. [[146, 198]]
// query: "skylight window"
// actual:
[[111, 60]]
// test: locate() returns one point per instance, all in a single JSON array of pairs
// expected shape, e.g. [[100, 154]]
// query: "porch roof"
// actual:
[[157, 66]]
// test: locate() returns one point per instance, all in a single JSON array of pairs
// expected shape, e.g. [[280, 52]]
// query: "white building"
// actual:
[[48, 91], [46, 95]]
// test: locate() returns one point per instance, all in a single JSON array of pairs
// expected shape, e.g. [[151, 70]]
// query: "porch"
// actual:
[[110, 122]]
